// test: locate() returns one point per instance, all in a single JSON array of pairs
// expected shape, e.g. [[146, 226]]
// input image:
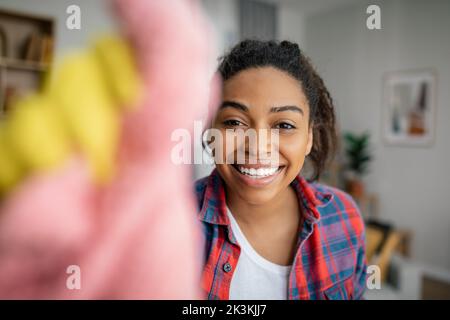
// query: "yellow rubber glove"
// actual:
[[119, 70], [35, 134], [87, 110], [10, 169], [78, 112]]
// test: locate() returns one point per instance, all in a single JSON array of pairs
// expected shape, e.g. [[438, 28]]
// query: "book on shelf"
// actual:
[[32, 47], [46, 50], [39, 48]]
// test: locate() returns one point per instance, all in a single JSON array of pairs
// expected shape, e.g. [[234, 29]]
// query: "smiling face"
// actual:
[[264, 99]]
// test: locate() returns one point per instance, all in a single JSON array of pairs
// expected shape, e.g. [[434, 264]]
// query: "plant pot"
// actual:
[[356, 188]]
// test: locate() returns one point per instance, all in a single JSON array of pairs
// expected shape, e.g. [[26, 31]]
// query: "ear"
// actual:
[[309, 143]]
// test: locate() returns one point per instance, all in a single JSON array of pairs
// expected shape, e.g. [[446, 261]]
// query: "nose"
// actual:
[[260, 145]]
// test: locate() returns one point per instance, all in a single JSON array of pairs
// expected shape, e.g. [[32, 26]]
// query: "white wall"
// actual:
[[224, 18], [290, 24], [412, 183], [224, 15], [95, 19]]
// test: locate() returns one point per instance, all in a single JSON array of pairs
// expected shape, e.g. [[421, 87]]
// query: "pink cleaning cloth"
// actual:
[[138, 236]]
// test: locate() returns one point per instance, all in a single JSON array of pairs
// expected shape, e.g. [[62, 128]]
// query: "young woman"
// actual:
[[270, 233]]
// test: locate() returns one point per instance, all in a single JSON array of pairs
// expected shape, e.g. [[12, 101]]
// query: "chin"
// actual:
[[257, 197]]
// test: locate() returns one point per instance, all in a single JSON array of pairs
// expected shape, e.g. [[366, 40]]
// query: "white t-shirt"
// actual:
[[256, 278]]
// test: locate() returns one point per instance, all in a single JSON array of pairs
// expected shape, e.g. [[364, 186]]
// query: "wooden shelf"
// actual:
[[26, 50], [23, 65]]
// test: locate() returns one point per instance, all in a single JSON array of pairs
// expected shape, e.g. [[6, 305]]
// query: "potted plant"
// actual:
[[357, 161]]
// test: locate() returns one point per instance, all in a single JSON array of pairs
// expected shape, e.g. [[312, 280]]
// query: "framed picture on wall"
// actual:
[[409, 108]]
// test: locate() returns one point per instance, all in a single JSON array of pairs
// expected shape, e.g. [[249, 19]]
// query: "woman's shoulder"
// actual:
[[337, 205], [334, 193]]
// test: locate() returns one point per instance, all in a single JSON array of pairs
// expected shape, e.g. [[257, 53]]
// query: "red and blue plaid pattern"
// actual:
[[330, 260]]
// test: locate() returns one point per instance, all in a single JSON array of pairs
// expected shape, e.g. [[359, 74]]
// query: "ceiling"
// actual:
[[308, 7]]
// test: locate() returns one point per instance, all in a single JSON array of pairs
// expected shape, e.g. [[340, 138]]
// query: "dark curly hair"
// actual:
[[287, 56]]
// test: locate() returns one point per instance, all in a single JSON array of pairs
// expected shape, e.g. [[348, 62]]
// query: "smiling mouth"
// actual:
[[257, 172]]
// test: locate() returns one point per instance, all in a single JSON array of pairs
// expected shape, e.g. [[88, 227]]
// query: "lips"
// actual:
[[258, 176]]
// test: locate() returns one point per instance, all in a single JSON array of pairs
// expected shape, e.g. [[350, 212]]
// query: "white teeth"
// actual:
[[258, 173]]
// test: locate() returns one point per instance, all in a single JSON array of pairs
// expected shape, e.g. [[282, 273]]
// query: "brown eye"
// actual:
[[232, 123], [284, 126]]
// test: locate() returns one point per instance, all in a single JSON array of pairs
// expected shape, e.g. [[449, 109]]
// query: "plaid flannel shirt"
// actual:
[[330, 259]]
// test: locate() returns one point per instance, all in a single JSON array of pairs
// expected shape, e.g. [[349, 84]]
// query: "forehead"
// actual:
[[266, 86]]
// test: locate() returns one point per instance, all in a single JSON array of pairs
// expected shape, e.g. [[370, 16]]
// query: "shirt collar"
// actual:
[[214, 209]]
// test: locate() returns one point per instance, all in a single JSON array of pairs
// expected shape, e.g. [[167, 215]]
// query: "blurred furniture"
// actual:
[[410, 280], [382, 241], [26, 51]]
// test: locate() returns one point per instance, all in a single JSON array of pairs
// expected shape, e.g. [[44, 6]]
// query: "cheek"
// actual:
[[293, 149]]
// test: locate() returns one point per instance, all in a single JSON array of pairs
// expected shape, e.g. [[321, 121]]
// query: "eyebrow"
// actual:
[[233, 104], [240, 106], [287, 108]]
